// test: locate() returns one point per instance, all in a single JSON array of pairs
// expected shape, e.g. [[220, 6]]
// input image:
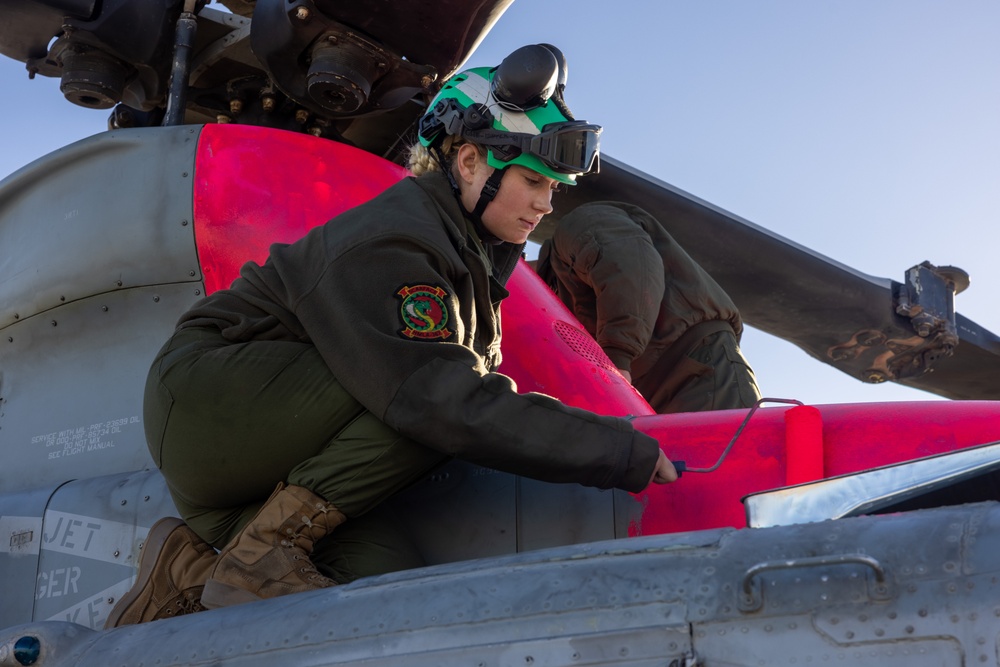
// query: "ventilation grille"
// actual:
[[580, 342]]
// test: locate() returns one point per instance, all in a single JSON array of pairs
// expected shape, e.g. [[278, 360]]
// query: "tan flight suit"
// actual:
[[352, 363], [653, 310]]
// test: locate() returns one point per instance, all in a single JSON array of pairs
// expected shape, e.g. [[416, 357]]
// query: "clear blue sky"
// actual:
[[867, 130]]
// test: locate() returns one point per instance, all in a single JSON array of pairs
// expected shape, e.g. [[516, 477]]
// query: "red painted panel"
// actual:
[[256, 186], [803, 445], [855, 437], [547, 350]]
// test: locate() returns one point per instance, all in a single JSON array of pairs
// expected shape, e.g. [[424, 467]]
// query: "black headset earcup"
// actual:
[[528, 77], [563, 67]]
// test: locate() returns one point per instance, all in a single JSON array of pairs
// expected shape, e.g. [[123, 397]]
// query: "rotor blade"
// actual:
[[973, 372], [838, 315]]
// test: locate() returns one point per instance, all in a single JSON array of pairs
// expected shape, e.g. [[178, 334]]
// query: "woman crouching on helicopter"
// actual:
[[358, 359]]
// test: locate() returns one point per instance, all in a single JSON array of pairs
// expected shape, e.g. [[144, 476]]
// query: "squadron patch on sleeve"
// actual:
[[424, 313]]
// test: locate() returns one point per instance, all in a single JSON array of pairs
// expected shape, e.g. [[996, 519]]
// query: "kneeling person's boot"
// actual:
[[271, 555], [173, 567]]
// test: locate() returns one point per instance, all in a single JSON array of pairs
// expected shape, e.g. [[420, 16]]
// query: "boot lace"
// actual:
[[300, 550], [186, 603]]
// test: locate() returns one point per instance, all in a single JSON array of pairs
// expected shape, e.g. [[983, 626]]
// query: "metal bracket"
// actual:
[[928, 298]]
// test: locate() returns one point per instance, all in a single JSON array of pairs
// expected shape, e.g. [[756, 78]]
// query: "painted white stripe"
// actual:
[[478, 88], [90, 537], [93, 611]]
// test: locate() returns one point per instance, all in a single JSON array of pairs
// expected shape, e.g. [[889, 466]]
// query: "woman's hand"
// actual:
[[664, 471]]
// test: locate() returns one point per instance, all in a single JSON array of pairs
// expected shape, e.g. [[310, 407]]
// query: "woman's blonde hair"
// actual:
[[422, 159]]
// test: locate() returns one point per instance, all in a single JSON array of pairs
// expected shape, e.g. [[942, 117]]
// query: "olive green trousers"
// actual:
[[226, 422]]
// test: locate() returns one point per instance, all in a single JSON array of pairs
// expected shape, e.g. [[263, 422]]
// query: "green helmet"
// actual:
[[516, 112]]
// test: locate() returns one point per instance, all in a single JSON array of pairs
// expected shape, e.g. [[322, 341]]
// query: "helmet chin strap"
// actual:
[[489, 191]]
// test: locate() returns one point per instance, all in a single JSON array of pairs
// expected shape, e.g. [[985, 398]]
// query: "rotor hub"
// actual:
[[340, 76]]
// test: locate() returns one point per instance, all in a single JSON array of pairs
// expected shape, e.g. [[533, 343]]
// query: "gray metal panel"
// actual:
[[91, 218], [462, 511], [628, 514], [790, 640], [551, 515], [91, 536], [648, 601], [20, 545], [72, 391]]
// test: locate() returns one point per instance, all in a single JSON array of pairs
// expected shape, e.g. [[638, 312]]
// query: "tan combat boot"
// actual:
[[173, 567], [270, 556]]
